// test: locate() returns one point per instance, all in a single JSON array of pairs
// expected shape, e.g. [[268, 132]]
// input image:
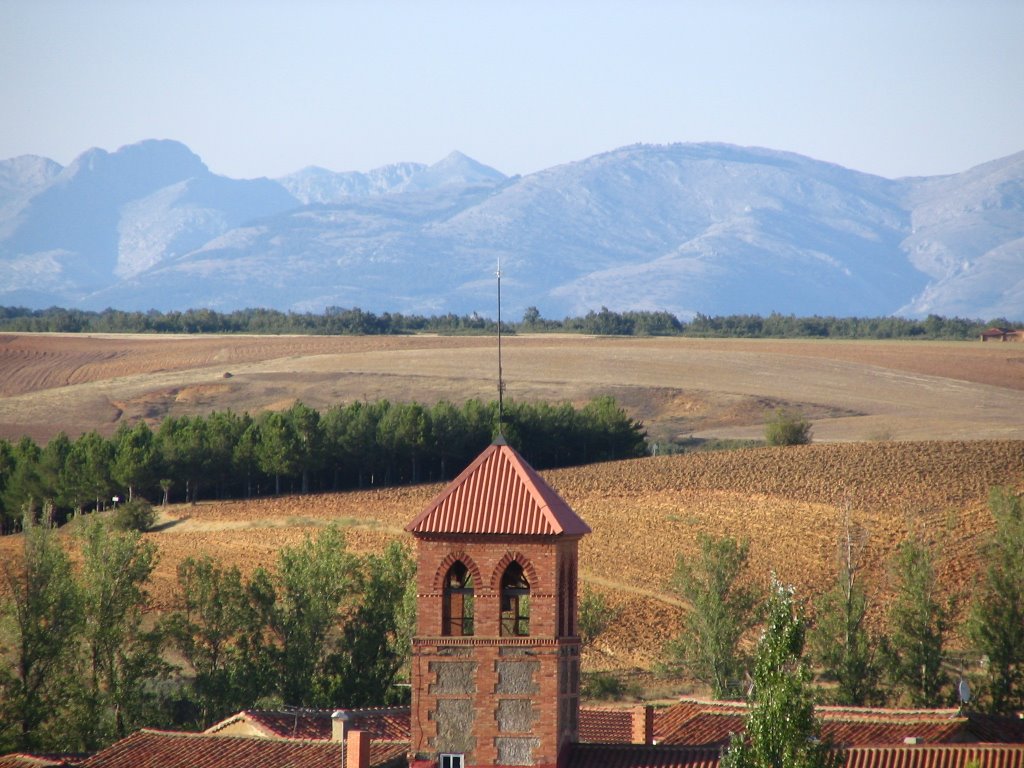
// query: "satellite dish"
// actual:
[[963, 689]]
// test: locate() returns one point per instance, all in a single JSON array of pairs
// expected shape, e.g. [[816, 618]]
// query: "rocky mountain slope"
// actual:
[[689, 228]]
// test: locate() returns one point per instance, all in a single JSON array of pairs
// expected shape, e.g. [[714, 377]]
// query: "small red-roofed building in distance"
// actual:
[[496, 656]]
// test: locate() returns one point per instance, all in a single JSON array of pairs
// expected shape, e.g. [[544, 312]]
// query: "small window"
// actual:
[[457, 618], [515, 601], [452, 761]]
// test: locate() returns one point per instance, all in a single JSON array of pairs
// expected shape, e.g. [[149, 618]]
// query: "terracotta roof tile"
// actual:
[[162, 749], [381, 723], [697, 722], [499, 493], [606, 726], [640, 756], [22, 760], [929, 756]]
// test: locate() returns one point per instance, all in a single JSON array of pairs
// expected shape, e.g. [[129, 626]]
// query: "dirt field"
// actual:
[[852, 390], [645, 513], [909, 436]]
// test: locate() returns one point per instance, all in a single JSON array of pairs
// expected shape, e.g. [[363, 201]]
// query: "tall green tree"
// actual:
[[135, 457], [217, 630], [309, 440], [277, 449], [839, 640], [919, 623], [40, 622], [377, 638], [25, 490], [781, 730], [996, 622], [721, 608], [302, 607], [122, 660]]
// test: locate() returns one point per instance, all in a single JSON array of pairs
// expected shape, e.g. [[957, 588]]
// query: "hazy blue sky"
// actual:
[[265, 88]]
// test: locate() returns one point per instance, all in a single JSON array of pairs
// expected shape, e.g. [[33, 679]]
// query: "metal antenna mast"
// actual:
[[501, 381]]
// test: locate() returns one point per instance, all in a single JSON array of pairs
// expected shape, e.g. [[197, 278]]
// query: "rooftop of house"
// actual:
[[166, 749], [382, 723], [499, 494], [901, 756], [697, 722]]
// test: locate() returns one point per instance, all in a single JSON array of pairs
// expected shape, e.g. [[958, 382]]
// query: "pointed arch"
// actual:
[[457, 601], [448, 561], [525, 564], [515, 600]]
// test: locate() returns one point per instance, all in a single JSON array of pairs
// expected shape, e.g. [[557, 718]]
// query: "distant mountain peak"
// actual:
[[707, 227]]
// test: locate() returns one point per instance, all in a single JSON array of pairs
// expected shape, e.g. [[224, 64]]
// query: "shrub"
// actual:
[[607, 686], [134, 515], [787, 427]]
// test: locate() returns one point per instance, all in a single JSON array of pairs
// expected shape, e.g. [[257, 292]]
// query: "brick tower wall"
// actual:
[[498, 700]]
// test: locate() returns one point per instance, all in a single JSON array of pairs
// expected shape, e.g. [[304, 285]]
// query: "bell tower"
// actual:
[[495, 660]]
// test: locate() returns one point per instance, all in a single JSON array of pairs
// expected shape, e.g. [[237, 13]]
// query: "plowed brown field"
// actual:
[[853, 390], [790, 503], [918, 402]]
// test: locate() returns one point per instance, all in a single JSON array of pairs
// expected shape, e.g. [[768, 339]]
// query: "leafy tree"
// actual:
[[377, 638], [594, 616], [42, 619], [840, 640], [919, 622], [720, 609], [121, 660], [781, 728], [996, 623], [218, 633], [302, 606], [787, 427]]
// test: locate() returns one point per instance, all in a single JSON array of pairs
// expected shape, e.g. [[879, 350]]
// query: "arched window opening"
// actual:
[[457, 618], [515, 601]]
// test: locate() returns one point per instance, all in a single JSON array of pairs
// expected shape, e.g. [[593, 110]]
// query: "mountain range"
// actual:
[[688, 228]]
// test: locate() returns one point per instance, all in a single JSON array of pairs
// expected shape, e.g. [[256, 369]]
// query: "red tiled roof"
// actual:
[[499, 493], [606, 726], [640, 756], [696, 722], [22, 760], [929, 756], [162, 749], [381, 723], [937, 756]]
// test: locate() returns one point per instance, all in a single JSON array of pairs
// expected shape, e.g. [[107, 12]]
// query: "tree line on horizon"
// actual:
[[360, 444], [355, 321]]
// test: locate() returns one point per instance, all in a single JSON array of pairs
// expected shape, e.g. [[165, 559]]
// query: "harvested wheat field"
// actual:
[[790, 502], [852, 390]]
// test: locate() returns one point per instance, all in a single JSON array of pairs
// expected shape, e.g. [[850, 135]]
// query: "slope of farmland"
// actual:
[[679, 387], [790, 502]]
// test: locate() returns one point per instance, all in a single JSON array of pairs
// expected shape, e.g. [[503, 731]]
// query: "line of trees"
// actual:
[[913, 664], [230, 455], [84, 666], [341, 320]]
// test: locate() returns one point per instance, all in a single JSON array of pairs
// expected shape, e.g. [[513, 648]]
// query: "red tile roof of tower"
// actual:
[[499, 493]]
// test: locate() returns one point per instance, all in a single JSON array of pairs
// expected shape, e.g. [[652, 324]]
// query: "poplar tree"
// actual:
[[720, 610], [919, 622], [40, 625], [996, 622], [781, 730]]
